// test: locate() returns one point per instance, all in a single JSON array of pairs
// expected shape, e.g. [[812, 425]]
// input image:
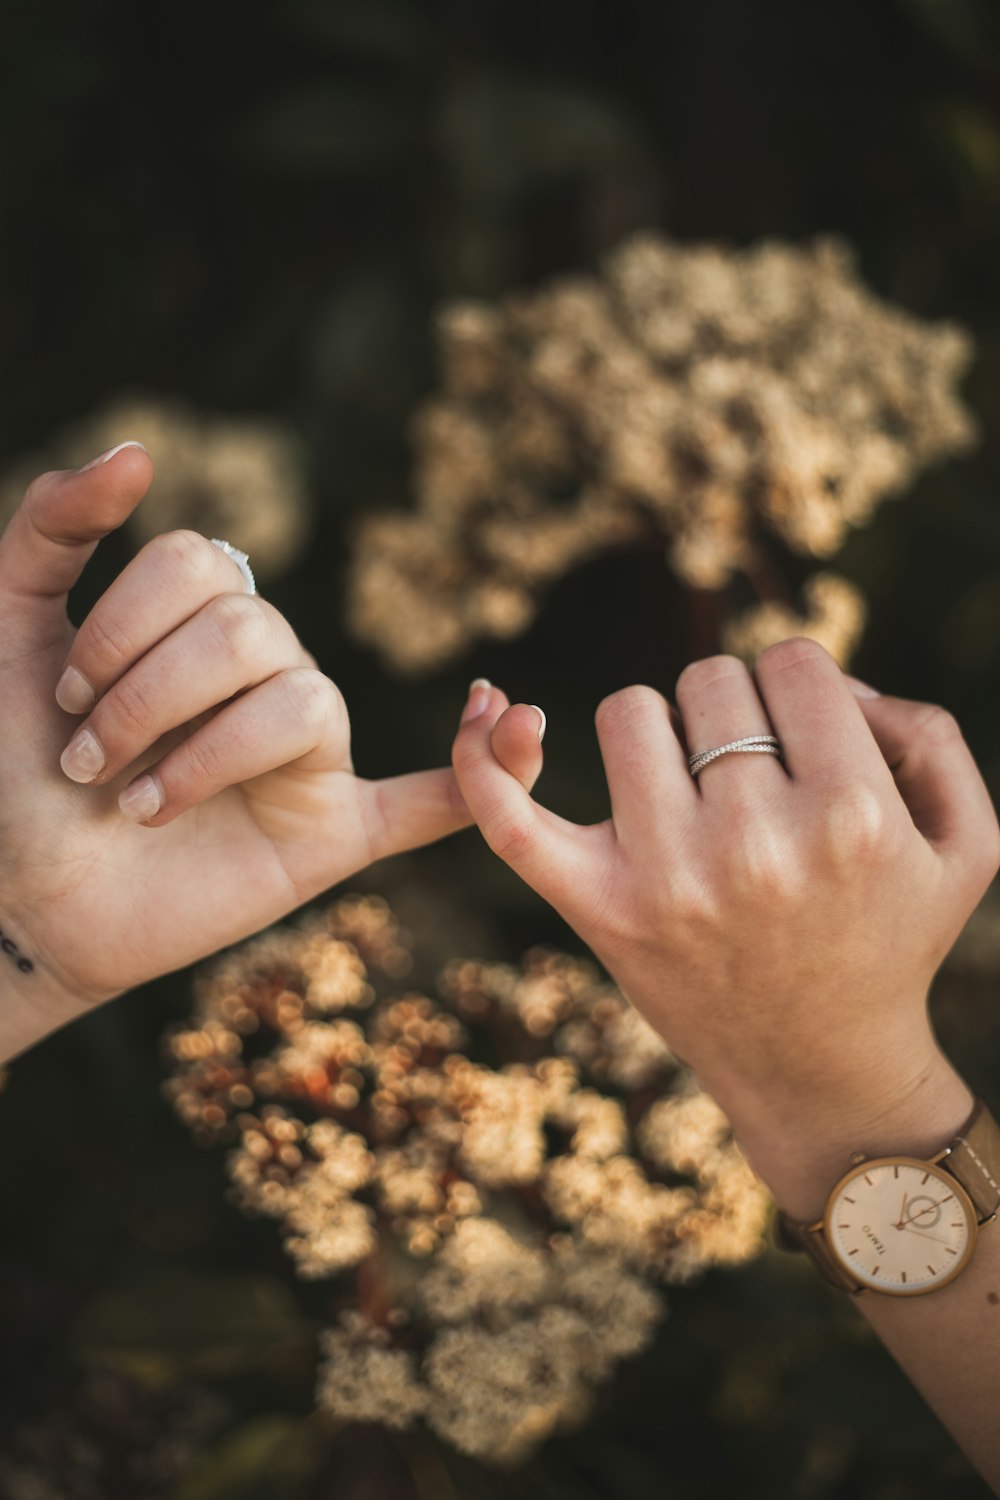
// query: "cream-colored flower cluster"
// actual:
[[508, 1220], [523, 1335], [239, 478], [716, 401], [567, 999], [835, 614]]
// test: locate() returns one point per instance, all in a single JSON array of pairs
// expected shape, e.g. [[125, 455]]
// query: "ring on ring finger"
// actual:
[[749, 744]]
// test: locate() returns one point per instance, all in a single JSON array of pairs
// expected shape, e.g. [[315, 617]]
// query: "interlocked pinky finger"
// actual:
[[296, 715]]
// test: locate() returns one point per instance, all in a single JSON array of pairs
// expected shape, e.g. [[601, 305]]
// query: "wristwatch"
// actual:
[[903, 1226]]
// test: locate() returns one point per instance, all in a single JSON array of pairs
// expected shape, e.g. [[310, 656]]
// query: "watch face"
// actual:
[[899, 1225]]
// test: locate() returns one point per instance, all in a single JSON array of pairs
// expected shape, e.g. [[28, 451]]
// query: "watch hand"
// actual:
[[903, 1223], [925, 1236]]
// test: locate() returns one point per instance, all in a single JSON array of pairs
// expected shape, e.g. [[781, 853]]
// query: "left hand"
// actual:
[[202, 695]]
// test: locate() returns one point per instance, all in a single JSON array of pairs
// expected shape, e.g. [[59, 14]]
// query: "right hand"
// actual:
[[778, 922]]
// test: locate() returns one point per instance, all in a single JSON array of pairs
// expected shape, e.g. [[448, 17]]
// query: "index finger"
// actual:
[[64, 514]]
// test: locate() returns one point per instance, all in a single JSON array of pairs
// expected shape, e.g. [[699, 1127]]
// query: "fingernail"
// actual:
[[142, 799], [541, 714], [74, 693], [83, 756], [861, 689], [479, 697], [102, 458]]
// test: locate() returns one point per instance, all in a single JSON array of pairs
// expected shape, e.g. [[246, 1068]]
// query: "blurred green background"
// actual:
[[255, 208]]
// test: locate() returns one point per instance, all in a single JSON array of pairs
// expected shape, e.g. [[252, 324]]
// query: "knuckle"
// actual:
[[696, 908], [202, 760], [127, 707], [702, 674], [796, 651], [628, 707], [687, 899], [937, 725], [511, 839], [106, 642], [764, 866], [187, 551], [855, 826], [241, 625], [317, 701]]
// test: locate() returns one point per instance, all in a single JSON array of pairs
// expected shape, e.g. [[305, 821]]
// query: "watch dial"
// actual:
[[900, 1226]]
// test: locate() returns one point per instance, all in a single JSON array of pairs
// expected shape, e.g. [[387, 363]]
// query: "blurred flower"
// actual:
[[508, 1220], [113, 1439], [242, 479], [716, 400], [835, 616]]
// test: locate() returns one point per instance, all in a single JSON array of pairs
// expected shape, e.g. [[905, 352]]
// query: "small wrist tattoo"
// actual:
[[13, 952]]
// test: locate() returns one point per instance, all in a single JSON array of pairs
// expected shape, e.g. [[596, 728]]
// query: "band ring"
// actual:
[[241, 559], [749, 744]]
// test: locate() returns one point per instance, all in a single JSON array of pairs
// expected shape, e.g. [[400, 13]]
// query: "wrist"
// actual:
[[801, 1148]]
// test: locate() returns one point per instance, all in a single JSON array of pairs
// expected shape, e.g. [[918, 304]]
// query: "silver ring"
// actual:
[[750, 744], [241, 559]]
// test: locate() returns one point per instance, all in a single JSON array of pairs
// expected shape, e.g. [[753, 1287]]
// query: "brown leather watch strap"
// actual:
[[974, 1158], [790, 1234]]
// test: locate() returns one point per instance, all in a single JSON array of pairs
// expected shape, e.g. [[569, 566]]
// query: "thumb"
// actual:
[[516, 742], [495, 763], [64, 514], [936, 775]]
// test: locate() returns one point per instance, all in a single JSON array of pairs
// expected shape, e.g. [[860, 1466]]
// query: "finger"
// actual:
[[554, 856], [167, 582], [297, 716], [937, 777], [719, 703], [645, 763], [406, 812], [234, 642], [516, 742], [823, 734], [63, 515]]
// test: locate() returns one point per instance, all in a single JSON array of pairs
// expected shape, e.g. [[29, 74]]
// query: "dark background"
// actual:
[[256, 208]]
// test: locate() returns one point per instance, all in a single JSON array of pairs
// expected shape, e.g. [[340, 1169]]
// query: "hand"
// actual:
[[779, 922], [199, 695]]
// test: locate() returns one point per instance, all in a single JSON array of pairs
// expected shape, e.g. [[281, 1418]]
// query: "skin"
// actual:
[[209, 690], [779, 922]]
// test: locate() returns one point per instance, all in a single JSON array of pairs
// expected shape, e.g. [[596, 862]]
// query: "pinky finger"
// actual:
[[296, 715]]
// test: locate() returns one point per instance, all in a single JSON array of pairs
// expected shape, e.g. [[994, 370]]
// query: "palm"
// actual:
[[112, 903]]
